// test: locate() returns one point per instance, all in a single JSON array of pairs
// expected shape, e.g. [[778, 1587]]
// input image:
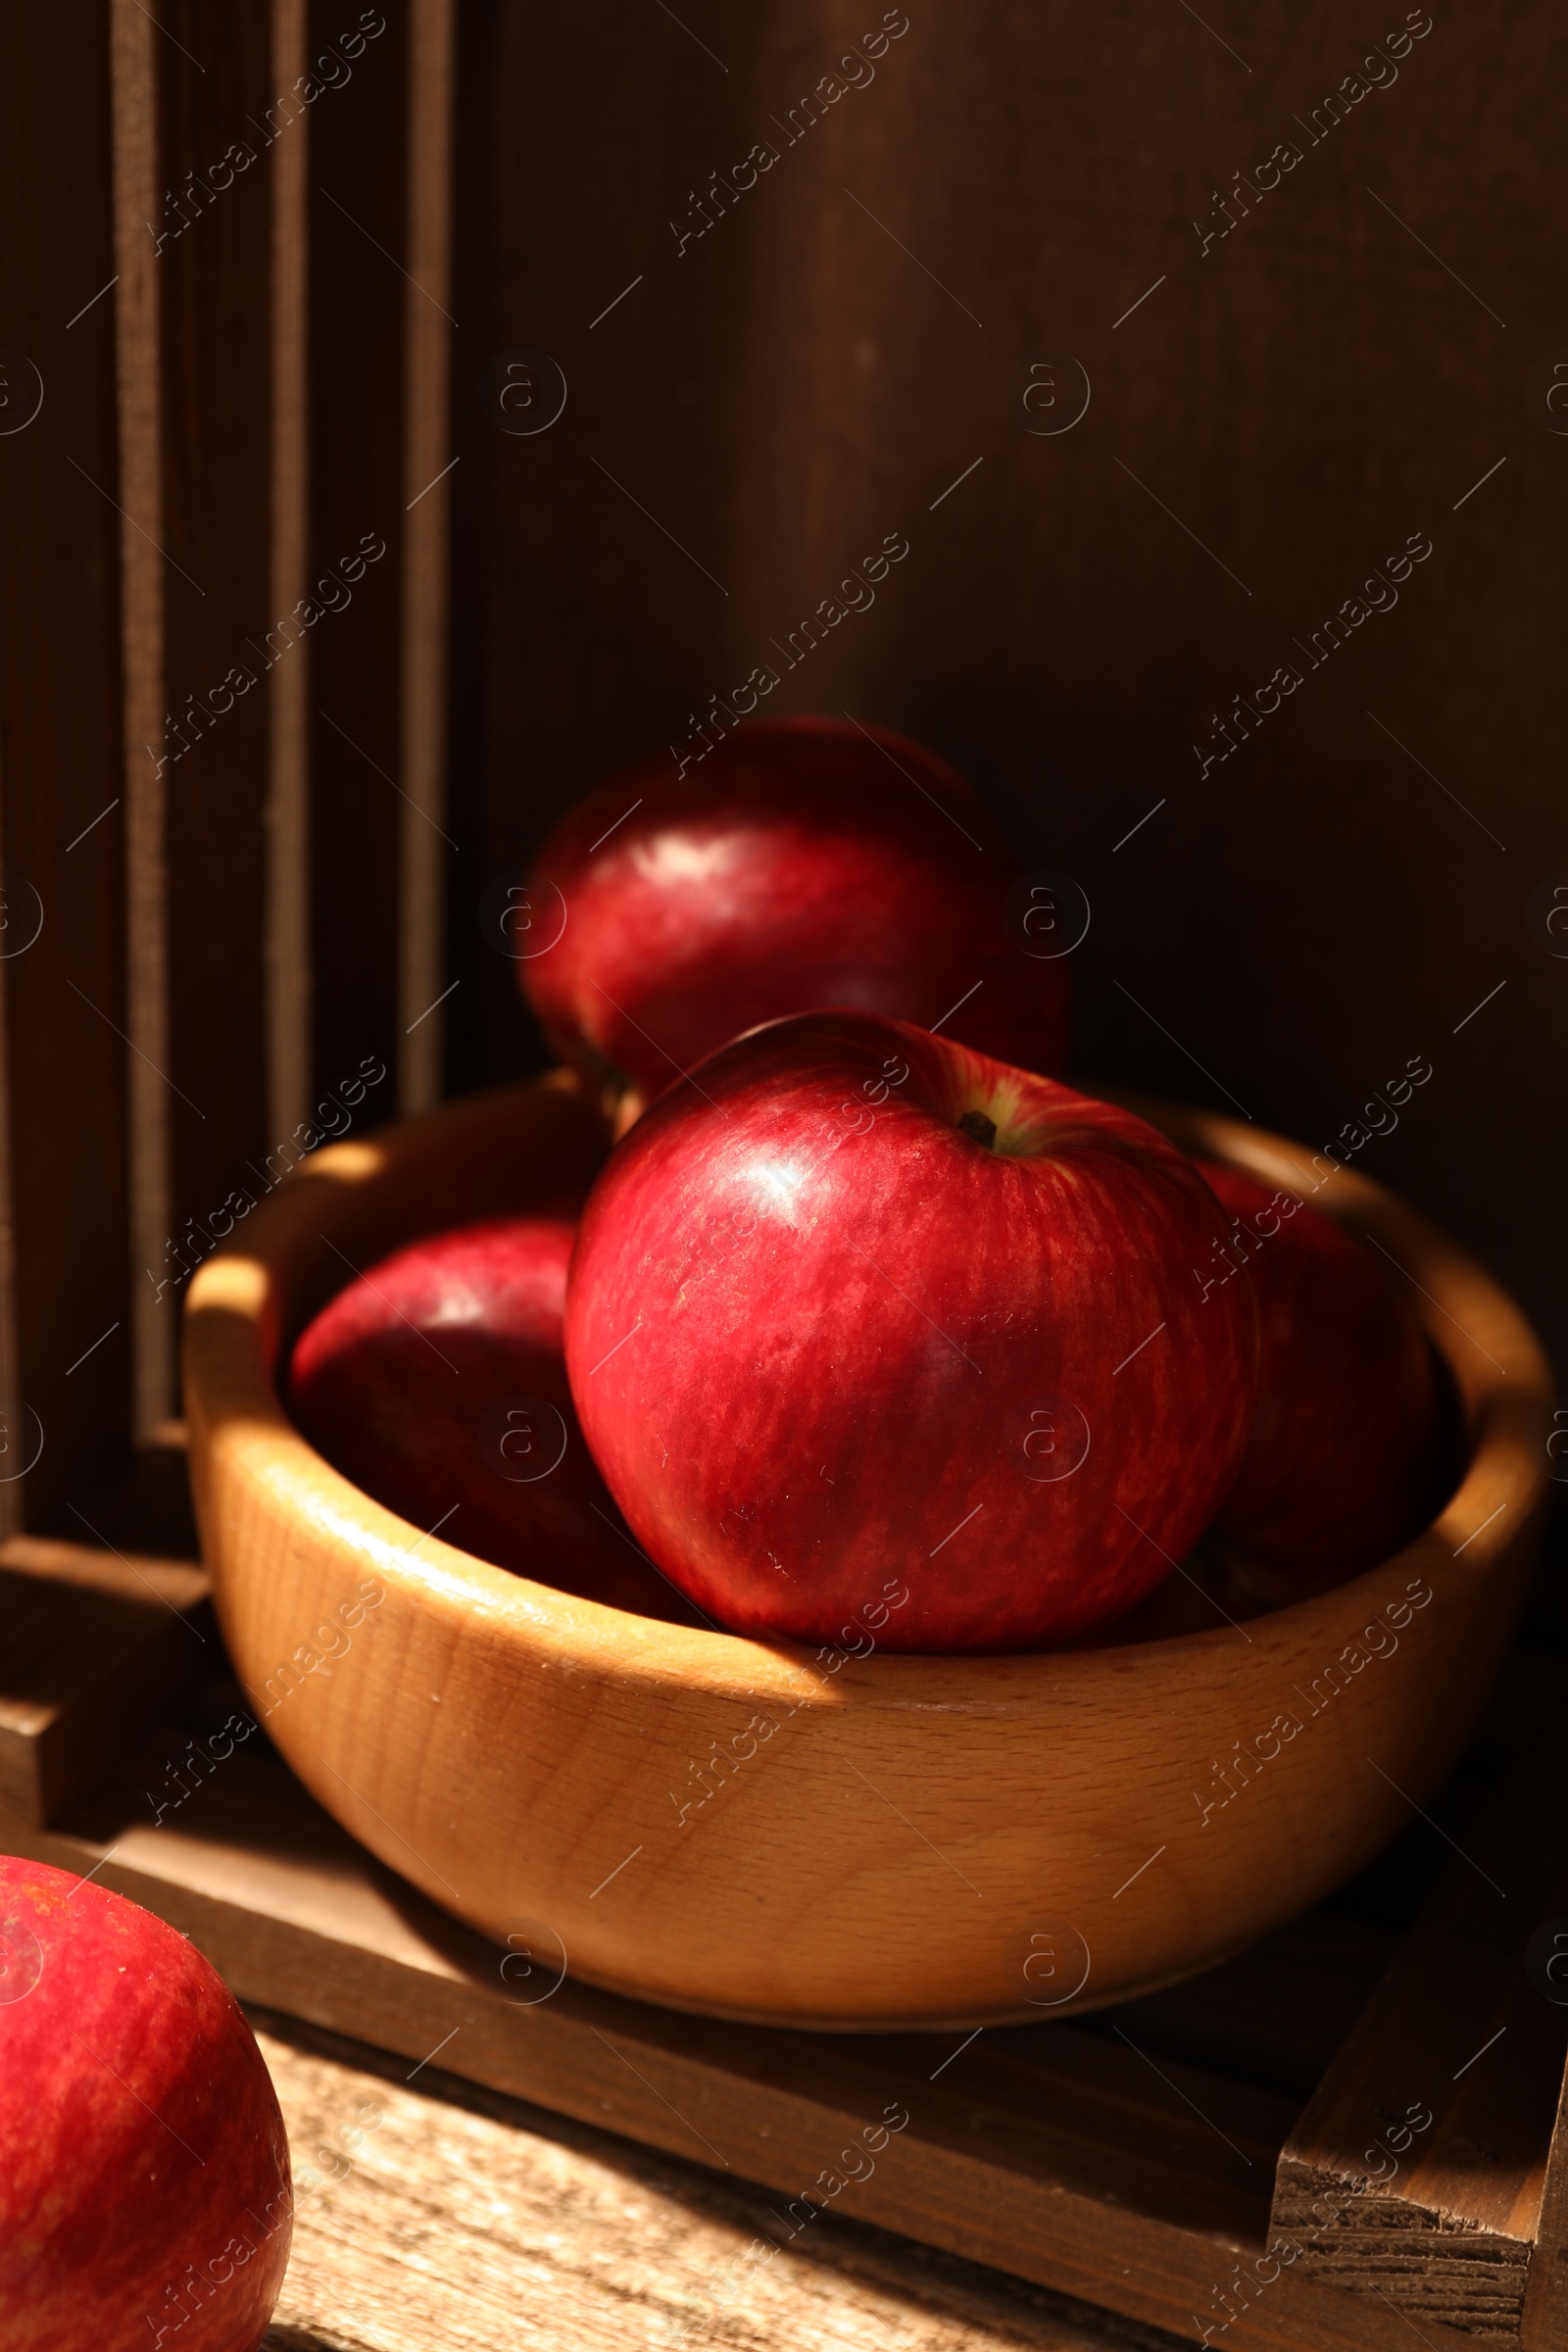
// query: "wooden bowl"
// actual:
[[896, 1842]]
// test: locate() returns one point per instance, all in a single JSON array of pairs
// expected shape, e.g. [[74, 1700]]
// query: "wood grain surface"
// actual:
[[138, 361], [1545, 2322], [287, 944], [433, 2215], [1425, 2149]]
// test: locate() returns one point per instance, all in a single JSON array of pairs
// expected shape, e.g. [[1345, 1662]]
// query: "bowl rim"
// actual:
[[242, 1307]]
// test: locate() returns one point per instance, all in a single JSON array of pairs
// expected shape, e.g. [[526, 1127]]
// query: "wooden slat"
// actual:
[[427, 457], [138, 195], [215, 74], [1276, 2015], [287, 952], [63, 1269], [1428, 2140], [358, 226], [1544, 2324], [14, 1491], [490, 1029], [1164, 2138]]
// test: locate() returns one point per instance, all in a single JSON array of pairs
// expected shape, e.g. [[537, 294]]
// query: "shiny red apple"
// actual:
[[144, 2172], [1339, 1470], [800, 862], [855, 1311], [435, 1380]]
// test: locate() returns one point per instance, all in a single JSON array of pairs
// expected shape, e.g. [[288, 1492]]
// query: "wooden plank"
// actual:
[[1276, 2015], [138, 364], [605, 2246], [358, 227], [1544, 2324], [490, 1029], [429, 457], [287, 945], [13, 1493], [1428, 2140], [1069, 2105], [64, 1214], [215, 226]]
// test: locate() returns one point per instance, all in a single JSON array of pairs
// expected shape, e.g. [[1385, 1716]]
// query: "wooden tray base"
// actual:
[[1241, 2157]]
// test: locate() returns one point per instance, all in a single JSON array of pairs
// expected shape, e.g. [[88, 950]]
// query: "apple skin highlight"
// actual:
[[822, 1332], [806, 861]]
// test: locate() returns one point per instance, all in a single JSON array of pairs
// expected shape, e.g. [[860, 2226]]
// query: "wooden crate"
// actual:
[[263, 262], [1347, 2134], [262, 257]]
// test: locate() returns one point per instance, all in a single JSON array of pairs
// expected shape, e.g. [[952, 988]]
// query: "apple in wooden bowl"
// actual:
[[802, 1836]]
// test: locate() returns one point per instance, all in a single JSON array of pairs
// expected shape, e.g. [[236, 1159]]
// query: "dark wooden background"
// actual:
[[750, 418]]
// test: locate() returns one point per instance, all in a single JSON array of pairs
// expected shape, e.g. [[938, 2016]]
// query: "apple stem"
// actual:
[[984, 1130]]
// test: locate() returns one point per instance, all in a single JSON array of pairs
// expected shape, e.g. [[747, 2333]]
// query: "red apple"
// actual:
[[855, 1311], [804, 862], [144, 2174], [435, 1380], [1339, 1470]]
